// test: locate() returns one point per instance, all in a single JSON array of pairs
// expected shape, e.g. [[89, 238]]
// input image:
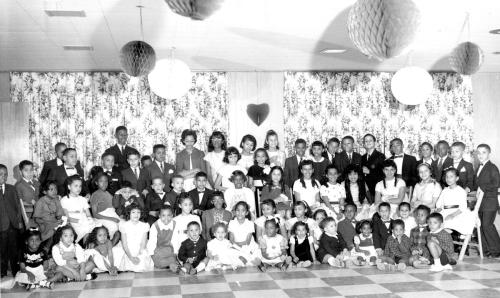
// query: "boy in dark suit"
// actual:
[[159, 168], [347, 226], [381, 222], [134, 174], [50, 164], [406, 164], [68, 168], [201, 195], [442, 162], [464, 168], [121, 149], [114, 176], [488, 180], [11, 224], [347, 156], [371, 163], [28, 189], [332, 147], [291, 170], [172, 197]]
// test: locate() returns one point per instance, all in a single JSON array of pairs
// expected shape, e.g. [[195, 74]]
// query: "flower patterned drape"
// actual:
[[321, 105], [82, 109]]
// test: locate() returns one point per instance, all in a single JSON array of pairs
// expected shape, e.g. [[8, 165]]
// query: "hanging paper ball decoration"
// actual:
[[170, 78], [383, 28], [194, 9], [137, 58], [466, 58], [411, 85]]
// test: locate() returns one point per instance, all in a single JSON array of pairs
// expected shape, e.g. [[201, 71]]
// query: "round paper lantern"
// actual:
[[194, 9], [383, 28], [170, 78], [137, 58], [411, 85], [466, 58]]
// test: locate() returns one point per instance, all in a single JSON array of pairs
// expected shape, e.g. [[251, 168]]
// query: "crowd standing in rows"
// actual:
[[230, 208]]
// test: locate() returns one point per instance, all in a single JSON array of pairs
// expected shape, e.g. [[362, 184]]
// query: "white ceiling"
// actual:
[[244, 35]]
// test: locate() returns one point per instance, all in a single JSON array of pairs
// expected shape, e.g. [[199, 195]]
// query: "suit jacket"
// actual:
[[205, 203], [409, 170], [182, 160], [374, 164], [291, 170], [59, 175], [348, 231], [153, 171], [114, 180], [10, 209], [120, 158], [380, 232], [49, 165], [342, 161], [138, 184], [27, 193], [488, 180], [438, 171], [466, 175], [330, 160]]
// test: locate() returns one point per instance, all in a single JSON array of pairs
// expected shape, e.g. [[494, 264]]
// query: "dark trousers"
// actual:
[[489, 233], [9, 240]]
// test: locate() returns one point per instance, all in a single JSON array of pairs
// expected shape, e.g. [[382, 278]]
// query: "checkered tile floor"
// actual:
[[472, 278]]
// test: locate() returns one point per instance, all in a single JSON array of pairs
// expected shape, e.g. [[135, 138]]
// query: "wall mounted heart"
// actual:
[[258, 113]]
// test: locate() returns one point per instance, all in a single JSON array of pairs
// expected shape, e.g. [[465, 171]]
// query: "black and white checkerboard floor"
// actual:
[[472, 278]]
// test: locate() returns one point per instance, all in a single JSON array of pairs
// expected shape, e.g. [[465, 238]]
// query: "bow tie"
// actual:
[[201, 191], [160, 194], [70, 168], [422, 226], [386, 221], [398, 156], [353, 221], [481, 164]]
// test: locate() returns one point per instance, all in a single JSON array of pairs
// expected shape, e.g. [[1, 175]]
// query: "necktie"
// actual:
[[440, 164], [1, 189], [368, 157], [300, 160], [135, 172], [70, 168], [349, 157], [161, 167]]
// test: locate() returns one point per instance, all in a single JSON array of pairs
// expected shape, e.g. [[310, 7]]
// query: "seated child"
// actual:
[[160, 241], [182, 220], [364, 251], [381, 223], [239, 193], [172, 197], [215, 215], [101, 252], [28, 190], [48, 213], [101, 203], [126, 197], [154, 200], [273, 248], [332, 193], [332, 249], [193, 250], [70, 257], [318, 217], [347, 226], [440, 244], [224, 173], [301, 212], [420, 255], [220, 251], [241, 231], [404, 212], [134, 235], [302, 246], [33, 263], [268, 209], [397, 249]]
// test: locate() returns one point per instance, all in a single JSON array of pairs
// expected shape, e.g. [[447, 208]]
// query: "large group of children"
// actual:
[[230, 208]]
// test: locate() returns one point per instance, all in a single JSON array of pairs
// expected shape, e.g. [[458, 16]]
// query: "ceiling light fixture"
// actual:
[[333, 51], [65, 13], [495, 31]]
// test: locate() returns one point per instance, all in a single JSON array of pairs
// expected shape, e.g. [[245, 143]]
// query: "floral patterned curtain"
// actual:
[[82, 109], [321, 105]]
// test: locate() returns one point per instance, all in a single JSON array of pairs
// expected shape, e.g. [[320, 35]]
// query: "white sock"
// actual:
[[437, 262], [331, 261], [200, 267]]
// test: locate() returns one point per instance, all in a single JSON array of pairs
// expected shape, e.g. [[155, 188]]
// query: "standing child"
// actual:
[[70, 257], [332, 193], [356, 190], [172, 197], [248, 144], [217, 146], [440, 244], [201, 195], [271, 144], [306, 188], [28, 189], [48, 213], [241, 231], [301, 212], [291, 169], [347, 226], [404, 211], [258, 173], [381, 222], [464, 168], [101, 203], [302, 246], [76, 208], [193, 250], [273, 248], [397, 249], [217, 214], [276, 189], [101, 252], [154, 200], [159, 245], [332, 249], [391, 190], [319, 162], [268, 211], [364, 251], [159, 168], [220, 251], [182, 220], [231, 158], [113, 173], [134, 239], [420, 255], [239, 193], [33, 262], [135, 174]]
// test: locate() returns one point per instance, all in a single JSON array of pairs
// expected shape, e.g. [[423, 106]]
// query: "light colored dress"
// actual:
[[234, 195], [214, 159], [365, 243], [249, 252], [226, 171], [451, 200], [273, 247], [223, 254], [308, 193], [390, 190], [425, 193], [181, 223], [76, 207], [276, 158], [134, 233], [334, 192], [246, 161]]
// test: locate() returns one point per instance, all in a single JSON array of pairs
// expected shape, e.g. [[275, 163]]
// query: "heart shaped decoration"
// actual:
[[258, 113]]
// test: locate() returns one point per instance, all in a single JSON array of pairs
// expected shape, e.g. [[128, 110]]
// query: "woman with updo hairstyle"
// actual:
[[190, 160]]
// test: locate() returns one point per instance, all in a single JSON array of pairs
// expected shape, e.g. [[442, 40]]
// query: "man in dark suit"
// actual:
[[11, 224], [291, 170], [406, 164], [371, 163], [332, 147], [112, 171], [56, 162], [201, 195], [70, 167], [134, 174], [347, 156], [465, 170], [442, 162], [488, 180], [121, 149], [159, 168]]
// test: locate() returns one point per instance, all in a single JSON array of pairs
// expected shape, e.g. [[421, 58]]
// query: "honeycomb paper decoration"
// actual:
[[194, 9], [466, 58], [383, 28], [137, 58]]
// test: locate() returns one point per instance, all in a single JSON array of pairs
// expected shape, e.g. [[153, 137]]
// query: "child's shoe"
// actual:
[[401, 267], [334, 262], [436, 268], [373, 261], [46, 284], [306, 264], [448, 267], [262, 267]]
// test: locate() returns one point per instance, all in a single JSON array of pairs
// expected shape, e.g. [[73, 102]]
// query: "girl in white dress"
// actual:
[[405, 214], [427, 191], [391, 189], [76, 208], [332, 193], [100, 250], [301, 212], [364, 250], [182, 220], [217, 146], [134, 234], [239, 193], [268, 211], [306, 188], [248, 144], [452, 204], [271, 144], [241, 231], [231, 158], [220, 251]]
